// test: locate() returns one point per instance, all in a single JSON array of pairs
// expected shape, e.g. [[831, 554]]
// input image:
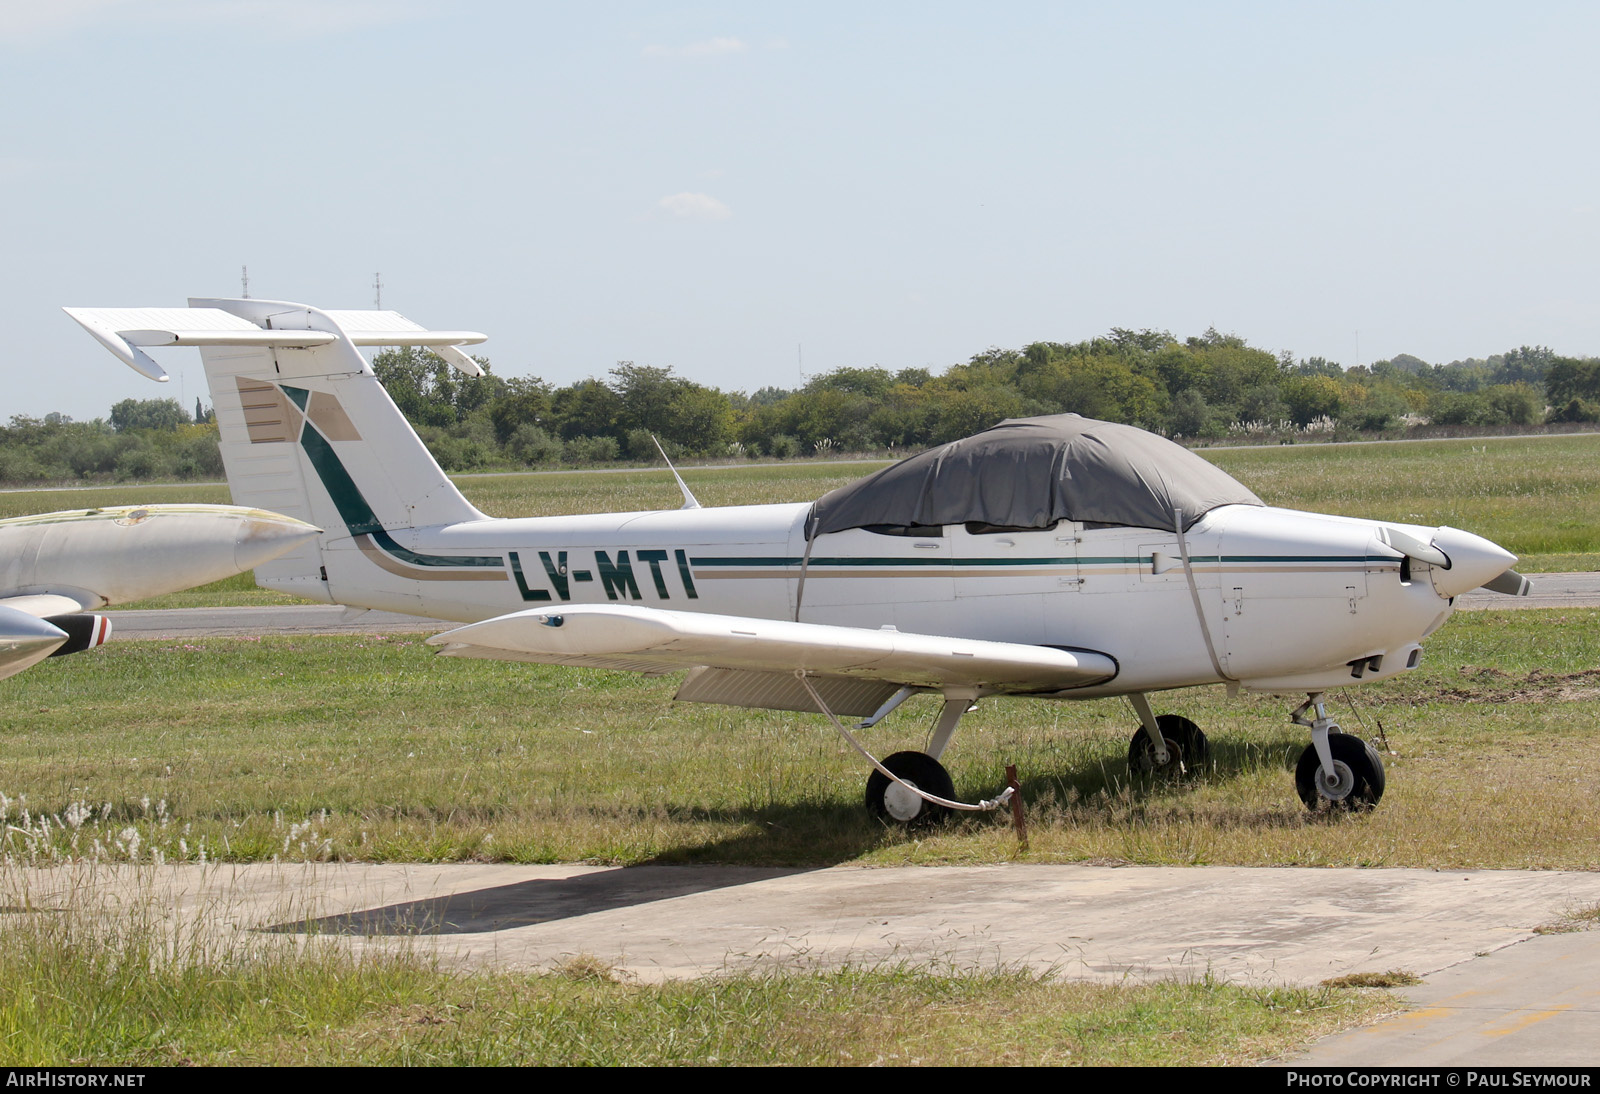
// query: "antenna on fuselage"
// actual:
[[689, 500]]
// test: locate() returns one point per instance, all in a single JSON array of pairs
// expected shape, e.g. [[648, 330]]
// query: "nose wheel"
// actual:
[[1356, 784], [1336, 771], [893, 802]]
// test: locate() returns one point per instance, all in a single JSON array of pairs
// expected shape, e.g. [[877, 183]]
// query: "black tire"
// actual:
[[927, 773], [1188, 751], [1359, 759]]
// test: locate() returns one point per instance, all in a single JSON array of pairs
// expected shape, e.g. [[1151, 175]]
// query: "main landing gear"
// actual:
[[1336, 771], [1169, 745], [893, 802]]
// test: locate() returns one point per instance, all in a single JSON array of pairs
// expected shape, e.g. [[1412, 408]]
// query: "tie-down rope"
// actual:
[[987, 805]]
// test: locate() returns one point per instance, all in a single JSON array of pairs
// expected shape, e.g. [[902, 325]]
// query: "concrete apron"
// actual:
[[1254, 926]]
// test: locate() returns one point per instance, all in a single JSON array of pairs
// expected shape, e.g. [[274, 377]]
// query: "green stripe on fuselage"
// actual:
[[358, 516], [768, 561]]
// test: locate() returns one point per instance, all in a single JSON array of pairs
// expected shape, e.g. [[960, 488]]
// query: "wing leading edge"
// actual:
[[752, 662]]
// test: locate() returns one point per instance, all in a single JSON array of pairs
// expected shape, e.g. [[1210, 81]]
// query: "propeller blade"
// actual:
[[1510, 583]]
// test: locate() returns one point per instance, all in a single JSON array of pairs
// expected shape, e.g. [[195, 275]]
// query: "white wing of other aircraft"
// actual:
[[56, 568], [1057, 557]]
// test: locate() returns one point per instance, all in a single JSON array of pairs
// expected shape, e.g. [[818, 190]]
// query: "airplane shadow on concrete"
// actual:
[[833, 835], [537, 900]]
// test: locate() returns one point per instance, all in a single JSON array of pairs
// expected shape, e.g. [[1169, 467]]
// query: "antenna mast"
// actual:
[[377, 291], [244, 281]]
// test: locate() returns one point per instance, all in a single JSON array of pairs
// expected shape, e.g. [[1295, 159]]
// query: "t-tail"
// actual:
[[307, 430]]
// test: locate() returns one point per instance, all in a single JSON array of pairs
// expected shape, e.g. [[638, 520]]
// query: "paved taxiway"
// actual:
[[1496, 991]]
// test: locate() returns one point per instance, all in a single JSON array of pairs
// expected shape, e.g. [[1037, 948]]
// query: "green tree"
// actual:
[[132, 415], [586, 409], [1569, 378], [524, 402], [644, 396]]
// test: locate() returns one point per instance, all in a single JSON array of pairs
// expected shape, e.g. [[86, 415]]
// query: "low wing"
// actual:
[[739, 661], [83, 559]]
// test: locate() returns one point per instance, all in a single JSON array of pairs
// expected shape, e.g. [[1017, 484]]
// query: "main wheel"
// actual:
[[894, 802], [1187, 748], [1358, 768]]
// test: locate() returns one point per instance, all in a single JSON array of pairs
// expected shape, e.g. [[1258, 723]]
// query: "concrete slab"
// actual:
[[1496, 992], [1265, 926]]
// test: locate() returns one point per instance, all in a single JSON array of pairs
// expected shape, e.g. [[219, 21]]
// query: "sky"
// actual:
[[749, 193]]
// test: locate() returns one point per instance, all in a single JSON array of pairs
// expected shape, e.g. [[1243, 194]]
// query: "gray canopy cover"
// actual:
[[1032, 472]]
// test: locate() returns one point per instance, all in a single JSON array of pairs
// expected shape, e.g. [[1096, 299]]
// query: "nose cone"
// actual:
[[1474, 561], [264, 536], [25, 640]]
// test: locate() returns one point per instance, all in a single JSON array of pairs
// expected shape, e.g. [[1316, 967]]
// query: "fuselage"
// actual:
[[1269, 598]]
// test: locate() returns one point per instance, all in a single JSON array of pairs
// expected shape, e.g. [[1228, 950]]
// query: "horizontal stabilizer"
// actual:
[[650, 636], [124, 331]]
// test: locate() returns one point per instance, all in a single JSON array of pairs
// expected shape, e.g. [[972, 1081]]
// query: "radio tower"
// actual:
[[244, 281], [377, 291]]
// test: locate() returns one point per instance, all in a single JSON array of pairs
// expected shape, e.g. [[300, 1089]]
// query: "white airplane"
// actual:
[[57, 567], [1054, 557]]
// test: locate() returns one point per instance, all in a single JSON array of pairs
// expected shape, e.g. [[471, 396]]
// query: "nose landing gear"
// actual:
[[1336, 771]]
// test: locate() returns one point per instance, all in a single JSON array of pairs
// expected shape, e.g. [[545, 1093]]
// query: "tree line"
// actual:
[[1201, 388]]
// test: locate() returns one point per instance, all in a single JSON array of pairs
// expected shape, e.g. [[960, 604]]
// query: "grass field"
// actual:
[[374, 748]]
